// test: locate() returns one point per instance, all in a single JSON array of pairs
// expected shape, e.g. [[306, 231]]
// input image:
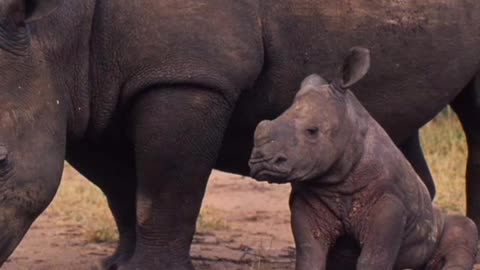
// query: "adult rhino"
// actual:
[[151, 95]]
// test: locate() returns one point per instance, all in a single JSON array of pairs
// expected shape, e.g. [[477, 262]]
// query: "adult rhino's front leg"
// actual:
[[177, 133]]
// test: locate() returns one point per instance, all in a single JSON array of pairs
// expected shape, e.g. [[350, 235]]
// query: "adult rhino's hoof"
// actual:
[[120, 256], [110, 263]]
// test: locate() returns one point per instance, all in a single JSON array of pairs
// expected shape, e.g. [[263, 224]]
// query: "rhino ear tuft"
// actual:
[[37, 9], [314, 81], [355, 67]]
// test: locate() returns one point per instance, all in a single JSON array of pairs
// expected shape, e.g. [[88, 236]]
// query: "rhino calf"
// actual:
[[356, 202]]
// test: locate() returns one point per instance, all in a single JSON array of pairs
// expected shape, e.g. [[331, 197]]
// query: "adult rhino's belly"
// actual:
[[401, 98], [423, 54]]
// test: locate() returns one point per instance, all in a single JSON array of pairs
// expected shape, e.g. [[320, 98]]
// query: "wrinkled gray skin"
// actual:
[[356, 201], [151, 95]]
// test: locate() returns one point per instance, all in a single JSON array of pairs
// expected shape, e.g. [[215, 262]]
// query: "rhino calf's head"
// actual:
[[310, 137]]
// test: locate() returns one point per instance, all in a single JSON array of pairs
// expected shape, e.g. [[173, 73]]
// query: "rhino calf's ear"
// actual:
[[355, 66], [37, 9]]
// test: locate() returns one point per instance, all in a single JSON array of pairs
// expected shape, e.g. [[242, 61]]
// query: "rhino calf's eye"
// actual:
[[5, 165], [312, 132], [3, 154]]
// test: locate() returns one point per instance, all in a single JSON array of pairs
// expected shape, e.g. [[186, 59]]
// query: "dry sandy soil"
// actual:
[[247, 228], [244, 224]]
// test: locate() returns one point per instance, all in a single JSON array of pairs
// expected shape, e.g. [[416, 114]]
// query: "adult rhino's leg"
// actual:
[[114, 174], [467, 107], [412, 150], [177, 134], [121, 201]]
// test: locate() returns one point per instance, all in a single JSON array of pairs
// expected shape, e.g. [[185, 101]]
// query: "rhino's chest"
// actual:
[[348, 209]]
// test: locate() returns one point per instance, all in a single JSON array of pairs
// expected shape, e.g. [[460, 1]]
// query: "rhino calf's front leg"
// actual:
[[312, 239], [382, 235]]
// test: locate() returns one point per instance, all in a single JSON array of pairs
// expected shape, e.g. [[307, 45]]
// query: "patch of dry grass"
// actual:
[[210, 221], [82, 205], [445, 148]]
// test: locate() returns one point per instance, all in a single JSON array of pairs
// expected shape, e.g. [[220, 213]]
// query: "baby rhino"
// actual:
[[356, 202]]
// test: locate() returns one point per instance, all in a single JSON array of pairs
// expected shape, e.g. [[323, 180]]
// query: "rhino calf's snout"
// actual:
[[280, 159], [270, 157], [258, 156]]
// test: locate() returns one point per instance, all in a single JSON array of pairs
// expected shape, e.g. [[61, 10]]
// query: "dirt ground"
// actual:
[[246, 226]]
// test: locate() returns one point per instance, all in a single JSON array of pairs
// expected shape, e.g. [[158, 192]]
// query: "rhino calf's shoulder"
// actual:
[[356, 202]]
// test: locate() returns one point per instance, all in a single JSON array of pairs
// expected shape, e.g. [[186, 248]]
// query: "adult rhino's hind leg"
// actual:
[[458, 245], [412, 150], [177, 134], [114, 174], [467, 107]]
